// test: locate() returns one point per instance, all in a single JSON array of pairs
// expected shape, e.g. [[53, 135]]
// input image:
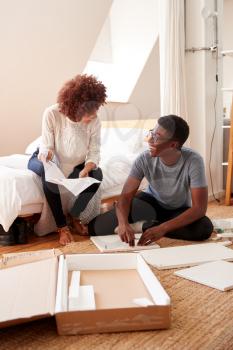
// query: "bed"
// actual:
[[21, 191]]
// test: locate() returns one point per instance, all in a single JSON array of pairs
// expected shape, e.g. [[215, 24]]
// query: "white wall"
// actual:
[[227, 61], [201, 88], [43, 44], [146, 94], [102, 51], [133, 32], [144, 102]]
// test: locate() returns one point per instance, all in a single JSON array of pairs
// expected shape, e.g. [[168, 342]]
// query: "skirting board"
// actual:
[[220, 194], [189, 255], [217, 274]]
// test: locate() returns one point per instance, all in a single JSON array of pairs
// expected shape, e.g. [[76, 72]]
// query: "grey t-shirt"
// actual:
[[171, 185]]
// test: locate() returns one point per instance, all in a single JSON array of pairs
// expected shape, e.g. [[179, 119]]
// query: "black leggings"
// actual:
[[52, 192], [145, 207]]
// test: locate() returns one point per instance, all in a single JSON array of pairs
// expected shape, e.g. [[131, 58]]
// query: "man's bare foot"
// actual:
[[65, 235], [79, 228], [106, 207]]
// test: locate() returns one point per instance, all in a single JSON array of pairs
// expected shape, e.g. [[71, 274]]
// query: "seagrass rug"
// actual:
[[202, 317]]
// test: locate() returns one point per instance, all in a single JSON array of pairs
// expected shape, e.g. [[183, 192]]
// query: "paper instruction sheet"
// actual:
[[76, 186]]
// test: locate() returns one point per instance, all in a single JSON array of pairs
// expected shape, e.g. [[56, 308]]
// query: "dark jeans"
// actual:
[[52, 193], [145, 207]]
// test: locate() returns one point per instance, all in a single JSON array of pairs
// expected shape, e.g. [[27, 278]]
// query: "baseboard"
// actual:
[[218, 195]]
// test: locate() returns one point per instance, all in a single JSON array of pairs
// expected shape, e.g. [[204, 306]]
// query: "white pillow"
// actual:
[[31, 148]]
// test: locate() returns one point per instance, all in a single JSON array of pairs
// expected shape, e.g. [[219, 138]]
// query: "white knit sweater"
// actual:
[[72, 142]]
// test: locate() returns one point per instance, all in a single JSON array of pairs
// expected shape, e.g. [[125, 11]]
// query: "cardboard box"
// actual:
[[120, 281]]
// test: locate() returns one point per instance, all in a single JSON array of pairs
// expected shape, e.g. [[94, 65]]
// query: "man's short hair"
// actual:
[[176, 126]]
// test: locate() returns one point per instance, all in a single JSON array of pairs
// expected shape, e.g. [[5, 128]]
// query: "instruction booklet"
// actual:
[[113, 243]]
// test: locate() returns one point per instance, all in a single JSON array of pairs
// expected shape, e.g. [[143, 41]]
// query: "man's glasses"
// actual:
[[152, 135]]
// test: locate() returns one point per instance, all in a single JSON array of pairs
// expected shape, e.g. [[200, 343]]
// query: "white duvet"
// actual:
[[18, 187]]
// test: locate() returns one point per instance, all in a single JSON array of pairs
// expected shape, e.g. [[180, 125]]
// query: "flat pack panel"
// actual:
[[217, 274], [103, 261], [28, 290], [189, 255], [85, 300], [158, 293], [20, 258], [74, 284]]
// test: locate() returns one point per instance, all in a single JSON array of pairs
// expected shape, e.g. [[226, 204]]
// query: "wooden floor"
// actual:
[[35, 243], [51, 240], [215, 210]]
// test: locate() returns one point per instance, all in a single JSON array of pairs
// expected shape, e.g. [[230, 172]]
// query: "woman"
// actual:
[[71, 132]]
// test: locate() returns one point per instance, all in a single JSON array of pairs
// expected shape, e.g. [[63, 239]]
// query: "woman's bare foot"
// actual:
[[79, 228], [65, 235]]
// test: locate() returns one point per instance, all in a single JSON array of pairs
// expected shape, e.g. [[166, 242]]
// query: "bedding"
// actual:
[[21, 190], [18, 188]]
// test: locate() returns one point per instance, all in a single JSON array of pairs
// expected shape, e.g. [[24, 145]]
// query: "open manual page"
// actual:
[[76, 186], [113, 243]]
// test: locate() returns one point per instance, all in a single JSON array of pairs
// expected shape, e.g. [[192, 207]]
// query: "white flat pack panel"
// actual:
[[85, 299], [225, 242], [157, 292], [74, 284], [98, 261], [74, 289], [216, 274], [142, 301], [28, 290], [225, 235], [189, 255], [223, 223]]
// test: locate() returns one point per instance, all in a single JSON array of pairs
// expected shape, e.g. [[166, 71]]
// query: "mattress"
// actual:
[[30, 209]]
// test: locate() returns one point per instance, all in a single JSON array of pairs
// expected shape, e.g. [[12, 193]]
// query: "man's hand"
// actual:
[[126, 234], [151, 235]]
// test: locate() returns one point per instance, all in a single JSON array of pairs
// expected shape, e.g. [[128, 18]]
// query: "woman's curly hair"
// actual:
[[80, 95]]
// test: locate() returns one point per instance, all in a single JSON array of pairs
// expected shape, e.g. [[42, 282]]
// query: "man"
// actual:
[[175, 201]]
